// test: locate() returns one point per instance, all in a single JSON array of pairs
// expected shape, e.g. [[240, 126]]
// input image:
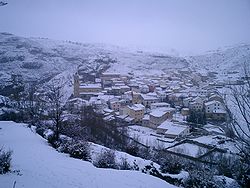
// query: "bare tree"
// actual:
[[34, 106], [54, 99], [241, 115], [16, 89]]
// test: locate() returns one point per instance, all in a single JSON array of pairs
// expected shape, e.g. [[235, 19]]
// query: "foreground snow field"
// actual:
[[41, 166]]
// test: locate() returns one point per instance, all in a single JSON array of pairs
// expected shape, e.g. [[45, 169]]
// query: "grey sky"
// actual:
[[185, 25]]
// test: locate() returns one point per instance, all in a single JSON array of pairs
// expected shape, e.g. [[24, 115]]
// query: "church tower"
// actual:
[[76, 85]]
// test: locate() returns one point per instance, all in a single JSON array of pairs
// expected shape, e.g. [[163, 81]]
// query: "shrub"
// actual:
[[53, 141], [151, 170], [171, 164], [133, 149], [106, 159], [124, 165], [200, 176], [40, 130], [5, 160], [77, 149]]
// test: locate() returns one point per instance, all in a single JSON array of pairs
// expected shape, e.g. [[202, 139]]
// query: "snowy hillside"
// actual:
[[227, 62], [41, 166], [42, 59]]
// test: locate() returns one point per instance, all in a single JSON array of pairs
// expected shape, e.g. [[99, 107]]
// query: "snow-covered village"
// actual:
[[90, 112]]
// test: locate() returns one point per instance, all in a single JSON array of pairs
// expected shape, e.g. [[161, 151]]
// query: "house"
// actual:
[[127, 98], [162, 95], [124, 119], [98, 104], [76, 103], [151, 87], [215, 97], [148, 99], [144, 88], [145, 121], [215, 110], [136, 98], [106, 78], [213, 105], [185, 111], [176, 98], [197, 104], [115, 90], [85, 91], [159, 115], [202, 92], [186, 101], [134, 87], [108, 112], [135, 111], [115, 105], [124, 89], [172, 130], [160, 105]]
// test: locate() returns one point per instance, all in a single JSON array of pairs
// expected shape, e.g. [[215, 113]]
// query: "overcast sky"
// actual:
[[185, 25]]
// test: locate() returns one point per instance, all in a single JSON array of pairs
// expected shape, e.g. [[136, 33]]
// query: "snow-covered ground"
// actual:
[[149, 137], [227, 62], [189, 149], [41, 166], [120, 156]]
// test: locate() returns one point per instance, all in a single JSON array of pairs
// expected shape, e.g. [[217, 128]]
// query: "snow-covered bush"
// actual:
[[77, 149], [225, 182], [40, 130], [53, 140], [200, 176], [5, 159], [124, 165], [169, 163], [151, 170], [106, 159], [133, 149]]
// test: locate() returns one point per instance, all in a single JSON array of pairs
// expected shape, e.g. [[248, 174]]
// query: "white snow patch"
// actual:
[[41, 166]]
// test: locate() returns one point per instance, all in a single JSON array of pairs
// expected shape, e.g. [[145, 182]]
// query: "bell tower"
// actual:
[[76, 85]]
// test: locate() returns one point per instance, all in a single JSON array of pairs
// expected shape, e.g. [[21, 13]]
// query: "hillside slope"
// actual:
[[40, 60], [227, 62], [41, 166]]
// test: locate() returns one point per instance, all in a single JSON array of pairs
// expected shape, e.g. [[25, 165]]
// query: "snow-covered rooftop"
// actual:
[[159, 112], [136, 107], [148, 97], [211, 103], [90, 86], [172, 128]]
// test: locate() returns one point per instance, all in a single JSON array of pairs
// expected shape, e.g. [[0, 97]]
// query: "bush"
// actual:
[[200, 176], [132, 149], [151, 170], [53, 141], [124, 165], [171, 164], [77, 149], [40, 130], [106, 159], [5, 159]]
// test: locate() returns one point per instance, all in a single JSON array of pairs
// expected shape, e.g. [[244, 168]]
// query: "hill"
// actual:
[[40, 166]]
